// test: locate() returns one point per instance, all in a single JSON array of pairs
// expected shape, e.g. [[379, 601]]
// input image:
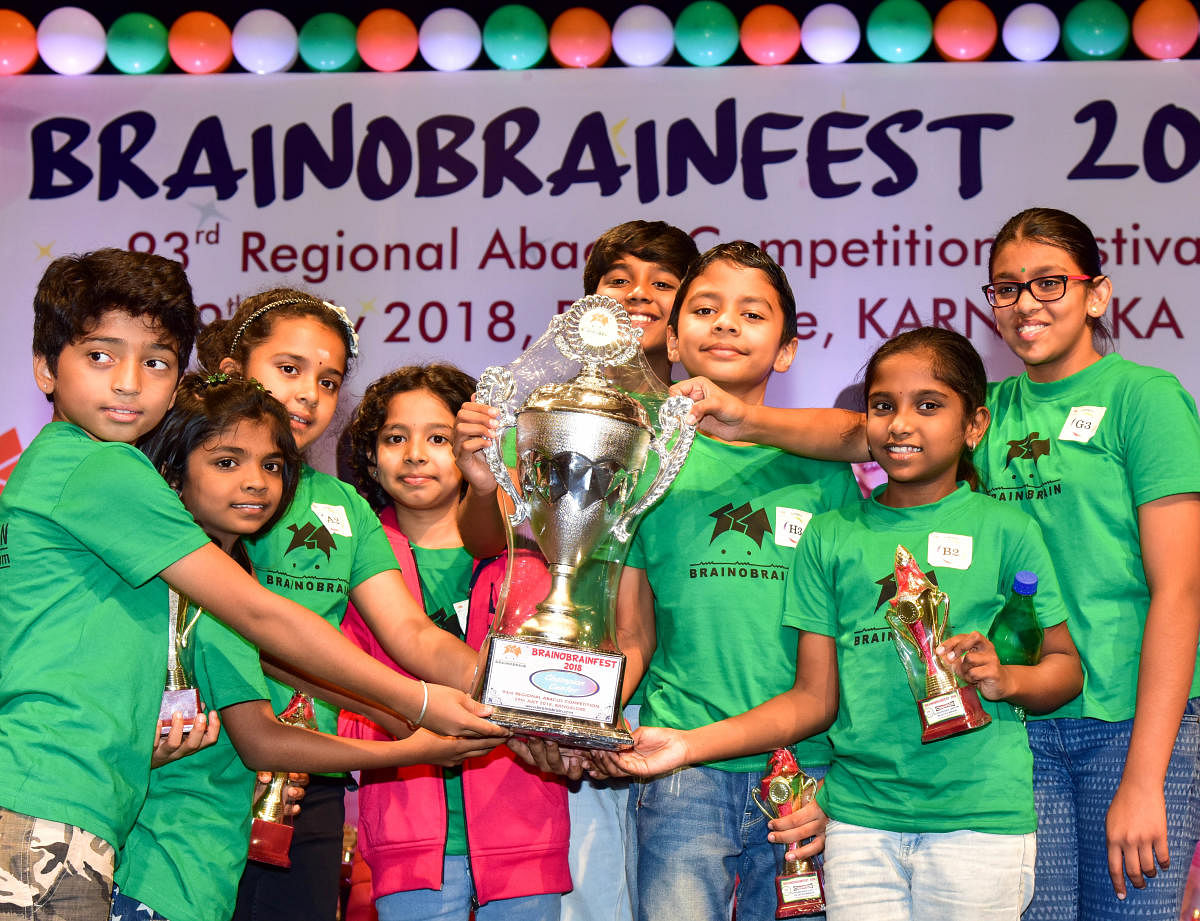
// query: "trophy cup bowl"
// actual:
[[555, 671]]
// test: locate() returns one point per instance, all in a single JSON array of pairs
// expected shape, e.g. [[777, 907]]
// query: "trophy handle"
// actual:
[[496, 386], [670, 419]]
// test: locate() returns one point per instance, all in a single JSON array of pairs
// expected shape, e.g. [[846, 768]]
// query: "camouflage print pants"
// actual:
[[52, 872]]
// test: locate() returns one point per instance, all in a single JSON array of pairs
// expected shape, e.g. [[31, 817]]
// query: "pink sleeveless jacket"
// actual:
[[517, 824]]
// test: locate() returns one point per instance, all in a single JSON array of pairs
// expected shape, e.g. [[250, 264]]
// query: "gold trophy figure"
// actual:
[[180, 695], [919, 620], [271, 830], [784, 789]]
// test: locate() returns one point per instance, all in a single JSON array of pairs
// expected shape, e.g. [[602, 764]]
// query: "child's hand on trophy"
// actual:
[[296, 788], [974, 659], [475, 427], [547, 756], [656, 750], [177, 744], [714, 411], [807, 822]]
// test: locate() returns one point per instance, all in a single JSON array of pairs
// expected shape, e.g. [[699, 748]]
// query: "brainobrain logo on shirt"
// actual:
[[311, 537], [1022, 465], [754, 523]]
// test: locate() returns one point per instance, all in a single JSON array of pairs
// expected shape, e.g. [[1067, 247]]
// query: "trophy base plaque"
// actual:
[[270, 843], [799, 894], [556, 691], [944, 715], [185, 701]]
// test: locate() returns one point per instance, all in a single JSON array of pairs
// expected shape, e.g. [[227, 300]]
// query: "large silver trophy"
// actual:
[[578, 399]]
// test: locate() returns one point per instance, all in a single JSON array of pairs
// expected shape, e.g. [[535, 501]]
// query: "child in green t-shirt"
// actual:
[[327, 549], [931, 831], [89, 527], [226, 447], [640, 264]]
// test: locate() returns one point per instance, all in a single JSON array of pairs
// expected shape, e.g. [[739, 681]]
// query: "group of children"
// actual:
[[748, 612]]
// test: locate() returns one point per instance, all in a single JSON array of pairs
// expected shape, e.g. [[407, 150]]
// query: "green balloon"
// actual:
[[328, 42], [515, 37], [706, 33], [899, 31], [137, 44], [1095, 30]]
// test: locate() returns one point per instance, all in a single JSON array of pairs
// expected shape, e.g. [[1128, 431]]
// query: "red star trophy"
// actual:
[[271, 831], [180, 695], [919, 615], [784, 789]]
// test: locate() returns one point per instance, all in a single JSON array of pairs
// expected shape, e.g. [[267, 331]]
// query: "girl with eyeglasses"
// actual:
[[1102, 452]]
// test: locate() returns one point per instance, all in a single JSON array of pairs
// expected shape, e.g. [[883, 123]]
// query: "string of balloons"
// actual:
[[70, 40]]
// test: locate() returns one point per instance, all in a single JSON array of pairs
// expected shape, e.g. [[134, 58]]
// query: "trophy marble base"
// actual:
[[185, 701], [571, 733], [270, 843], [799, 894], [556, 691], [944, 715]]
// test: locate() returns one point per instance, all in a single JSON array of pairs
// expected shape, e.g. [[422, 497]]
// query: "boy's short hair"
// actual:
[[650, 241], [76, 291], [749, 256]]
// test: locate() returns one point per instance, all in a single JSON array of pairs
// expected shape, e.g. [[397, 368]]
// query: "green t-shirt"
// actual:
[[1080, 455], [85, 527], [184, 855], [325, 544], [717, 550], [881, 775], [445, 575]]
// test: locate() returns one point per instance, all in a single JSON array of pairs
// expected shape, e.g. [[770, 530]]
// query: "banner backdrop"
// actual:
[[451, 213]]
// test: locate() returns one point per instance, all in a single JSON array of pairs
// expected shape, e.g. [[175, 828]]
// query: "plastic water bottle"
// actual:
[[1016, 633]]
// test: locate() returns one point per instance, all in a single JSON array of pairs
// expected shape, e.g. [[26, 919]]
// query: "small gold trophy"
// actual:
[[271, 830], [180, 695], [784, 789], [919, 619]]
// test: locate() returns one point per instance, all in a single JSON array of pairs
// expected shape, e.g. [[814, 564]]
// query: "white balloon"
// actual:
[[449, 39], [830, 34], [643, 36], [71, 41], [1030, 32], [265, 42]]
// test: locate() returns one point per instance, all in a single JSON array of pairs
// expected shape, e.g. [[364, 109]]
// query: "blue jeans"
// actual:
[[453, 901], [1077, 765], [125, 908], [874, 875], [698, 833], [603, 848]]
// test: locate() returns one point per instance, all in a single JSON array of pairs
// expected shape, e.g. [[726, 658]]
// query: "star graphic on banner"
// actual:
[[368, 306], [616, 129], [44, 250], [208, 212]]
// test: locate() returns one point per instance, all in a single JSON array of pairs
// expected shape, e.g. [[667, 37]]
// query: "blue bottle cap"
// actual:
[[1025, 582]]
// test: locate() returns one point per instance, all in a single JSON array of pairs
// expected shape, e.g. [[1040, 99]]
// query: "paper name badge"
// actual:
[[1082, 423], [789, 525], [334, 518], [950, 550], [460, 611]]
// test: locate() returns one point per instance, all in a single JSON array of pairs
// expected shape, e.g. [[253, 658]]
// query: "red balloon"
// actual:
[[200, 43], [965, 30], [1164, 29], [580, 38], [18, 43], [770, 35], [387, 40]]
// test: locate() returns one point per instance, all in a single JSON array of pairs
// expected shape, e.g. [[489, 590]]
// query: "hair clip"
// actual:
[[215, 379]]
